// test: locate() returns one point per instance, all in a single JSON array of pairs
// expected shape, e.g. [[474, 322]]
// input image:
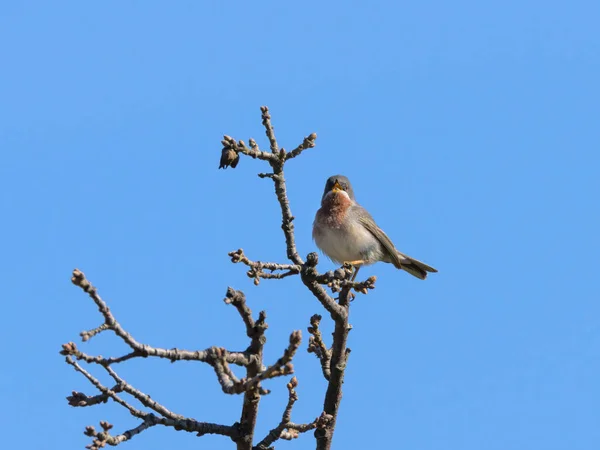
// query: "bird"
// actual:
[[347, 234]]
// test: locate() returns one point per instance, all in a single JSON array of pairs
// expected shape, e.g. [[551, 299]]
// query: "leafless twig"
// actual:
[[318, 347], [333, 360], [218, 358], [287, 429]]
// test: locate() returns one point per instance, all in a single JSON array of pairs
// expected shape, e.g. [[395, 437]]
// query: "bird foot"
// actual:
[[356, 265]]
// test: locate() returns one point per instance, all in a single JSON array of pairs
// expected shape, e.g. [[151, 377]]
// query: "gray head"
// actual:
[[337, 183]]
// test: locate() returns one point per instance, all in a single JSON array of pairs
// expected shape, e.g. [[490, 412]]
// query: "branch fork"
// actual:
[[333, 359]]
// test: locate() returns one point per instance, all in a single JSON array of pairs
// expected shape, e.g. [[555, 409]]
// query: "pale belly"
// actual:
[[342, 244]]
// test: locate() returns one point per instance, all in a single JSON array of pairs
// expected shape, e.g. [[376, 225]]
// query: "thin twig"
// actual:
[[86, 335], [241, 147], [308, 142], [144, 350], [286, 429], [333, 361], [143, 398], [79, 399], [174, 421], [266, 121], [257, 268], [318, 347], [101, 439], [108, 392], [282, 366]]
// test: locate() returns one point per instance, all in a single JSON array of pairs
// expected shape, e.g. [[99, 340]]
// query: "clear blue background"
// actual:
[[469, 129]]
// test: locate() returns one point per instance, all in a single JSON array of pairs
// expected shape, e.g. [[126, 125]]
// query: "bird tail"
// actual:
[[414, 267]]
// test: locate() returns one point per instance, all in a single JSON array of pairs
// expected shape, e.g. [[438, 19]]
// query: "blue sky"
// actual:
[[469, 130]]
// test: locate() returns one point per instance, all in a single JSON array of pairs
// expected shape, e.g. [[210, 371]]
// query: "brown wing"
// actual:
[[368, 222]]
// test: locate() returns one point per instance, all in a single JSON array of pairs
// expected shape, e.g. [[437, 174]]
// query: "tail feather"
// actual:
[[414, 266]]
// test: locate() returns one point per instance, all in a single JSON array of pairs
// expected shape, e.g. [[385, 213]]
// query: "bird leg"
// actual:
[[356, 264]]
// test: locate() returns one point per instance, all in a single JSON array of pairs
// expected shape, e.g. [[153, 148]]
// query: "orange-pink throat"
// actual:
[[334, 208]]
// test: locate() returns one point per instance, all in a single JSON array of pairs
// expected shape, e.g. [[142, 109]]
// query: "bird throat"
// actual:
[[337, 204]]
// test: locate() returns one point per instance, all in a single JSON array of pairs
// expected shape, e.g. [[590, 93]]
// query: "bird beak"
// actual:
[[336, 187]]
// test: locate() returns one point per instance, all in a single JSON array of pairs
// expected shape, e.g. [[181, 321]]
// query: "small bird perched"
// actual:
[[347, 233]]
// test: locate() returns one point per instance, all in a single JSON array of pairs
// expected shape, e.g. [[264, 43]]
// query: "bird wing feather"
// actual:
[[367, 221]]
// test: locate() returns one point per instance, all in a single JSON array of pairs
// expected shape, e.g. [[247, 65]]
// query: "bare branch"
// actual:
[[276, 159], [108, 392], [318, 347], [143, 350], [287, 223], [86, 335], [79, 399], [339, 359], [71, 349], [175, 421], [240, 147], [266, 121], [143, 398], [311, 281], [338, 279], [104, 437], [287, 429], [333, 360], [227, 379], [238, 299], [101, 439], [283, 365], [257, 267], [309, 142], [256, 332]]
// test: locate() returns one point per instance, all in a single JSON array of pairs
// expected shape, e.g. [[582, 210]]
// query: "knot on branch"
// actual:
[[289, 434], [312, 259], [217, 353], [323, 420], [261, 324]]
